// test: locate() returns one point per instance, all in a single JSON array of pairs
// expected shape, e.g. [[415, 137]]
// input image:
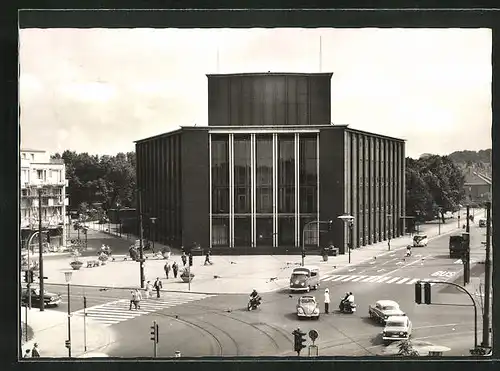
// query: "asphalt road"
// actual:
[[201, 325]]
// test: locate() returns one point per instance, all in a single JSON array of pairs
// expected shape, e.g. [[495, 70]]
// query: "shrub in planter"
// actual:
[[76, 264], [186, 276]]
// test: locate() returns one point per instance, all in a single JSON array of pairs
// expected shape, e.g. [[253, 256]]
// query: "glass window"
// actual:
[[242, 174], [286, 174], [308, 174], [286, 231], [220, 174], [310, 233], [264, 231], [242, 231], [220, 232], [264, 173]]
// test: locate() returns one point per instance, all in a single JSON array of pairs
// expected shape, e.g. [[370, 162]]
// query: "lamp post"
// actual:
[[389, 216], [417, 225], [439, 220], [152, 231], [303, 235], [349, 220], [67, 276], [40, 248]]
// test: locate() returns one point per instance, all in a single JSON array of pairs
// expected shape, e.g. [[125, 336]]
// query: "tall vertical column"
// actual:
[[297, 191], [402, 194], [317, 190], [231, 190], [210, 191], [253, 192], [275, 190]]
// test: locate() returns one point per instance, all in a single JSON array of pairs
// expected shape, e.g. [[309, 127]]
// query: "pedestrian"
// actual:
[[327, 300], [175, 269], [207, 258], [167, 269], [148, 289], [184, 259], [138, 298], [34, 352], [27, 353], [133, 300], [157, 286]]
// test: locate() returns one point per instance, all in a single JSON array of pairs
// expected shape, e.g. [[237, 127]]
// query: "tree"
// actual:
[[405, 348]]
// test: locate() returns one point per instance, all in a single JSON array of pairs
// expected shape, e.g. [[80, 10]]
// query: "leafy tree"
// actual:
[[405, 348]]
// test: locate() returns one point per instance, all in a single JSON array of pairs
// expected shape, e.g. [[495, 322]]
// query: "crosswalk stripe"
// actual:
[[383, 279], [358, 279], [393, 280], [402, 280], [329, 278], [371, 279], [413, 281], [339, 278], [348, 278]]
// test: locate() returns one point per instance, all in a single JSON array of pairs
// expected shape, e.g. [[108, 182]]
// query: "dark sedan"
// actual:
[[49, 298]]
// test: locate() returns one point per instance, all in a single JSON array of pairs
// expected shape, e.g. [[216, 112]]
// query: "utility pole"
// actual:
[[487, 280], [141, 250], [40, 249], [468, 216]]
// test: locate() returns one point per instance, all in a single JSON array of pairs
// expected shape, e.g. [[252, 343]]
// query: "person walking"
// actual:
[[327, 300], [175, 269], [157, 286], [207, 259], [133, 300], [167, 269], [148, 289], [138, 298], [34, 352], [184, 259]]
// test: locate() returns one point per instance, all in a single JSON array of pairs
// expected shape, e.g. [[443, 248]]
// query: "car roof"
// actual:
[[394, 318], [385, 303], [307, 297]]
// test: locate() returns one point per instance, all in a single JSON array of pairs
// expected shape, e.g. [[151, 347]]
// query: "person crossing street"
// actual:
[[327, 300], [167, 269], [157, 286], [175, 269]]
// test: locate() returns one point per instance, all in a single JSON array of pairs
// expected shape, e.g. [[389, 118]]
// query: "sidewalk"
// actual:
[[50, 329], [228, 274]]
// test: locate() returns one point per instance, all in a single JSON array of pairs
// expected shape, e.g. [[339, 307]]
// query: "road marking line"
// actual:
[[348, 278], [401, 281], [372, 279], [418, 256], [352, 269], [400, 263], [339, 278], [373, 262], [393, 254], [404, 266], [382, 279], [116, 315], [381, 270], [459, 261], [393, 280], [329, 278], [369, 278], [413, 281], [359, 278]]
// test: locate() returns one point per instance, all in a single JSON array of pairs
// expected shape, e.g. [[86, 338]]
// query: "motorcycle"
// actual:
[[254, 303], [347, 307]]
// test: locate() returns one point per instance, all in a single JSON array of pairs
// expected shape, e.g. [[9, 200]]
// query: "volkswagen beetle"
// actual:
[[307, 307]]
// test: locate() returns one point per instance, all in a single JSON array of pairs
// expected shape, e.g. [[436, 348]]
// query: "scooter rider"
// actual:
[[344, 300], [254, 297], [350, 299]]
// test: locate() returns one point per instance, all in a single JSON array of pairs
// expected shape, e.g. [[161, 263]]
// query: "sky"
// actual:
[[99, 90]]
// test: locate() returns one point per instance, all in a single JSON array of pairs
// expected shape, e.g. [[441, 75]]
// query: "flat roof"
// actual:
[[32, 150], [251, 74], [269, 127]]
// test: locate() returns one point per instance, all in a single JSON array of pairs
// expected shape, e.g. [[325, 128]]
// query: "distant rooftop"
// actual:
[[32, 150]]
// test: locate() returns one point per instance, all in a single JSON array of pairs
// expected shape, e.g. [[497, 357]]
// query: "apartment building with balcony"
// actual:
[[41, 174]]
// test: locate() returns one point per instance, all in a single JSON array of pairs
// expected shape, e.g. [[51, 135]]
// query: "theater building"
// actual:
[[268, 163]]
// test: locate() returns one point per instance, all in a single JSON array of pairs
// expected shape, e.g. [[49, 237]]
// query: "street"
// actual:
[[220, 325]]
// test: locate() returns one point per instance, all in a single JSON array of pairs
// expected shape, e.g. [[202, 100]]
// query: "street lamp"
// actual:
[[303, 235], [67, 276], [153, 221], [439, 220], [389, 216], [349, 220]]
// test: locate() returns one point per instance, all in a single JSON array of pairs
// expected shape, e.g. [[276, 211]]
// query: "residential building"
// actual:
[[40, 173], [268, 163], [477, 185]]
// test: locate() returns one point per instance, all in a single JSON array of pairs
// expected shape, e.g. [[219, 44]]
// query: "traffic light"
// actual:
[[418, 293], [190, 259], [303, 254], [427, 293], [299, 340], [154, 332]]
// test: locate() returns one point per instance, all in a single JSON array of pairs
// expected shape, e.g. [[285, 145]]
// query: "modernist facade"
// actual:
[[268, 163], [39, 171]]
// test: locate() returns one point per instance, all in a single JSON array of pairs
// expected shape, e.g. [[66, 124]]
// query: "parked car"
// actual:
[[49, 298], [307, 307], [420, 240], [383, 309], [397, 328]]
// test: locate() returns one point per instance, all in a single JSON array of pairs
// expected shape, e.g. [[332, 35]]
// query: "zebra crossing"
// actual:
[[118, 311], [373, 279]]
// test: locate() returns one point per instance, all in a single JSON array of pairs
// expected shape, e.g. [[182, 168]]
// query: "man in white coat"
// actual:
[[327, 300]]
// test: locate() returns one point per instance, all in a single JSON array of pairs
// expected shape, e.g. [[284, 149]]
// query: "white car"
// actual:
[[383, 309], [420, 240], [397, 328]]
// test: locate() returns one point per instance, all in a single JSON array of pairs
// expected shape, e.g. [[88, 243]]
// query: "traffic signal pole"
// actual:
[[487, 280]]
